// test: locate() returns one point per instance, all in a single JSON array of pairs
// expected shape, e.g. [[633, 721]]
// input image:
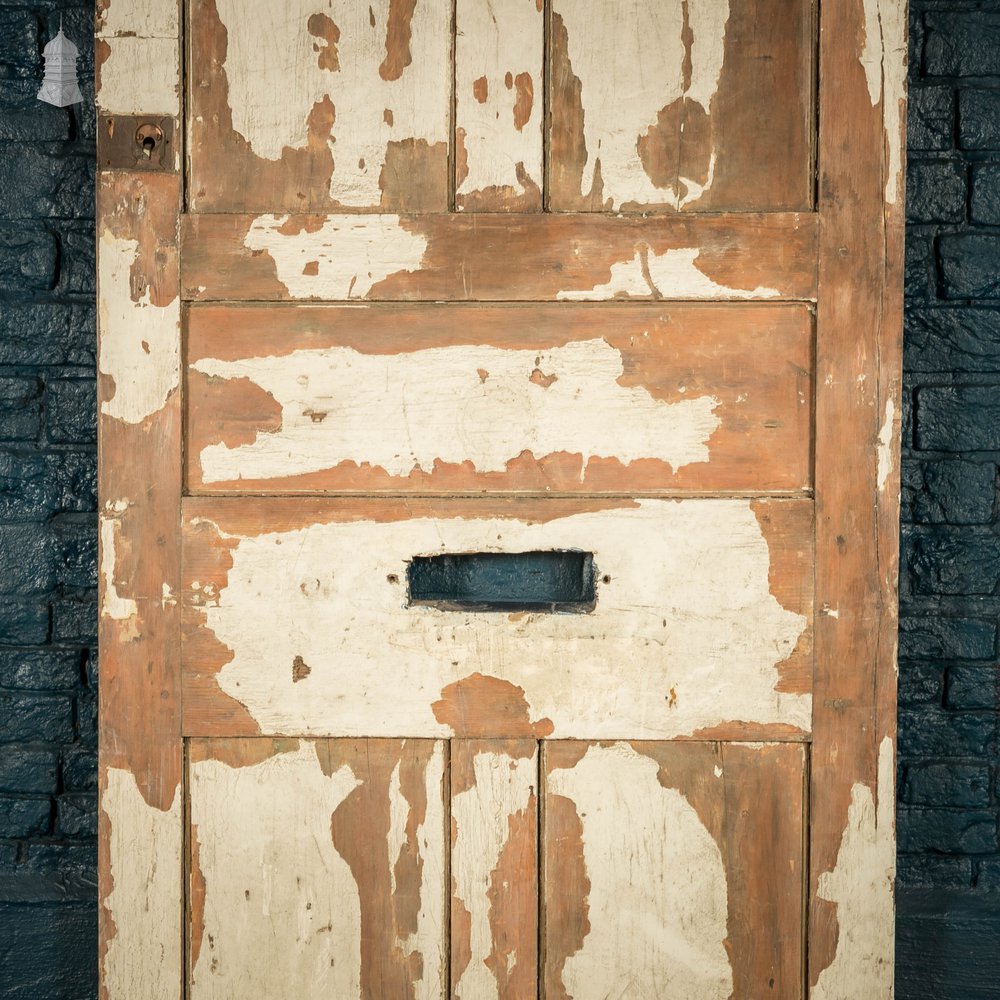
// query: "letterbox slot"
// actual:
[[555, 581]]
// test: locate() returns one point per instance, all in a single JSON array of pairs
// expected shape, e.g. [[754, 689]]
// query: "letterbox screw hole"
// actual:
[[605, 578], [392, 578]]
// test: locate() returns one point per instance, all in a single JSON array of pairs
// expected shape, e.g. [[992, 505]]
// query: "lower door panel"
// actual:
[[323, 868]]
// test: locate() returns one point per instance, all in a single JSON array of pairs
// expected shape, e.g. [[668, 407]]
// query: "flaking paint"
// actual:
[[657, 905], [635, 48], [351, 254], [861, 886], [687, 601], [276, 44], [503, 787], [113, 604], [672, 274], [282, 908], [478, 404], [138, 76], [143, 955], [140, 341]]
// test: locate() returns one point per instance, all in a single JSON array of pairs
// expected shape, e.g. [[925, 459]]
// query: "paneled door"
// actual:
[[499, 404]]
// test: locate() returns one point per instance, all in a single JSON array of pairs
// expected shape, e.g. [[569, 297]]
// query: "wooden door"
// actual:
[[499, 468]]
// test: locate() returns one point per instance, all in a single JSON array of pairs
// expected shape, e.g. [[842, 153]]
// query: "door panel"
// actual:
[[297, 616], [362, 120], [494, 869], [698, 106], [318, 869], [498, 258], [673, 870], [560, 398]]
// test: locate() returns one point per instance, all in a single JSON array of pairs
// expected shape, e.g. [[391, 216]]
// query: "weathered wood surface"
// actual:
[[498, 257], [499, 398], [499, 105], [318, 869], [137, 57], [859, 319], [704, 105], [293, 108], [140, 821], [673, 870], [296, 620], [494, 869]]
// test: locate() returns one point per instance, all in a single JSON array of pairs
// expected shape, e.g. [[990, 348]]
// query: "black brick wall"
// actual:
[[949, 861], [48, 663]]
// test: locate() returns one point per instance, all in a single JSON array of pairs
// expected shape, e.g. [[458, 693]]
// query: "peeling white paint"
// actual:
[[503, 787], [886, 444], [113, 605], [883, 58], [631, 74], [139, 343], [275, 44], [140, 76], [658, 900], [688, 604], [672, 274], [861, 884], [407, 411], [145, 18], [493, 40], [351, 254], [282, 908], [144, 954], [427, 944]]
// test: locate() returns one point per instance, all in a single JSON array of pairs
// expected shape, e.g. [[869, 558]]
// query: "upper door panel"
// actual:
[[371, 107]]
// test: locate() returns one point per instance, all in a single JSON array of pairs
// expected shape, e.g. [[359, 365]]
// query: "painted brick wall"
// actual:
[[48, 663], [949, 865]]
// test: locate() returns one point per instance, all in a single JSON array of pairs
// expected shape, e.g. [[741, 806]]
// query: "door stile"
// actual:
[[859, 320], [141, 768]]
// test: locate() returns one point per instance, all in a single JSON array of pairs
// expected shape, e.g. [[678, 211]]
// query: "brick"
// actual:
[[28, 770], [952, 339], [25, 817], [920, 683], [19, 42], [86, 718], [988, 874], [962, 43], [933, 732], [75, 620], [920, 263], [930, 120], [955, 492], [25, 559], [79, 770], [39, 669], [970, 265], [23, 118], [40, 718], [979, 119], [947, 831], [20, 409], [34, 486], [945, 560], [934, 637], [76, 816], [75, 543], [973, 687], [961, 785], [984, 194], [958, 418], [78, 270], [935, 191], [38, 333], [24, 623], [28, 258], [39, 182], [920, 871], [72, 411]]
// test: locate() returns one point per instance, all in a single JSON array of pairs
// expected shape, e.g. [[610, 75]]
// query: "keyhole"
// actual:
[[148, 137]]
